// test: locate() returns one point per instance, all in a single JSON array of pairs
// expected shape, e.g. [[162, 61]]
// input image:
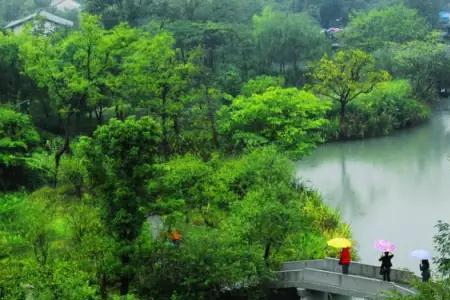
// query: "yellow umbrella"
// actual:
[[340, 243]]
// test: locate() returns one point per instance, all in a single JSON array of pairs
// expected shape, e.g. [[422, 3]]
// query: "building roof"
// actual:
[[43, 14]]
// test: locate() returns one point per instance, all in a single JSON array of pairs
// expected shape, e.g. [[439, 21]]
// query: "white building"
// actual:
[[66, 5], [43, 19]]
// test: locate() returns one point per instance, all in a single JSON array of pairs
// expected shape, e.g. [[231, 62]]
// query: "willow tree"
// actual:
[[344, 77], [287, 41]]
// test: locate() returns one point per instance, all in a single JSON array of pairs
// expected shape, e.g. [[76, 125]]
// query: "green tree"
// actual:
[[260, 84], [289, 118], [287, 41], [238, 217], [18, 140], [423, 63], [428, 9], [160, 79], [118, 161], [42, 255], [79, 71], [346, 76], [391, 105], [376, 28], [113, 12], [15, 87], [442, 245]]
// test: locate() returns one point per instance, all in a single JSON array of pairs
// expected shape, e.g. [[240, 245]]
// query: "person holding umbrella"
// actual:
[[424, 266], [345, 257], [386, 265], [345, 260]]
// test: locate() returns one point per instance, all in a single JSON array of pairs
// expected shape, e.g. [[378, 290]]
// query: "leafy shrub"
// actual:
[[289, 118], [388, 107], [18, 139]]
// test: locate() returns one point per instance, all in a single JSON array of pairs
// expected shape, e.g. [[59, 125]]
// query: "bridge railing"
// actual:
[[332, 282], [356, 268]]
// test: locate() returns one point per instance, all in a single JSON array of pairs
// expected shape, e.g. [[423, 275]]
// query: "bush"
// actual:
[[289, 118], [18, 139], [388, 107]]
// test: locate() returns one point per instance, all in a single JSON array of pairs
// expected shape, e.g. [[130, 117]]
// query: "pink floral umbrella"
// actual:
[[385, 246]]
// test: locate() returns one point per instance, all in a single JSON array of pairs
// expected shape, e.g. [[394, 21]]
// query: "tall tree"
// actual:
[[374, 29], [160, 78], [287, 41], [118, 161], [344, 77], [79, 70]]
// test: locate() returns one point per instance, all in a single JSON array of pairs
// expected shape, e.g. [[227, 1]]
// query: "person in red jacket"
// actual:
[[345, 260]]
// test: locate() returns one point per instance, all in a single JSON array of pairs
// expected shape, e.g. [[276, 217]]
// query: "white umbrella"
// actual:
[[421, 254]]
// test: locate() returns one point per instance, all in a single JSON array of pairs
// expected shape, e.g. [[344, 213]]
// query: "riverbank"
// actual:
[[388, 108]]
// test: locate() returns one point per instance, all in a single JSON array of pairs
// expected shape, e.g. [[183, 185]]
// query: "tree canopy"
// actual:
[[377, 28], [345, 76], [147, 152]]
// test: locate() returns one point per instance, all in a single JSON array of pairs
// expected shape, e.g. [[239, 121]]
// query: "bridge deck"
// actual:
[[325, 276]]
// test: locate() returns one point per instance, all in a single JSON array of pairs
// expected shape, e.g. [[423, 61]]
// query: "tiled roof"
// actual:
[[46, 15]]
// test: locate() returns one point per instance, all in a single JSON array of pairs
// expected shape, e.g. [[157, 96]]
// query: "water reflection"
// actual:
[[394, 188]]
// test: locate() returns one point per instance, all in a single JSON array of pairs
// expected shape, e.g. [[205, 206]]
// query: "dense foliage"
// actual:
[[146, 152], [388, 107], [18, 140], [289, 118], [246, 210], [344, 77], [376, 28]]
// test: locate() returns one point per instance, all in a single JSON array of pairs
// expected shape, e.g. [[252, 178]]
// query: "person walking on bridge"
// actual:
[[386, 265], [345, 260]]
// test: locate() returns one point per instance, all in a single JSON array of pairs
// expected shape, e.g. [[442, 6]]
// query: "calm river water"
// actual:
[[394, 188]]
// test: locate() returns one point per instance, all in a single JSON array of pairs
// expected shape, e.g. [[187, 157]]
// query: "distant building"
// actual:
[[63, 5], [444, 17], [42, 19]]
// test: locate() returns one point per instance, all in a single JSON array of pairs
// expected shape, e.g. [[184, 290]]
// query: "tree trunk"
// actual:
[[99, 114], [64, 148], [342, 130], [124, 275], [212, 120], [176, 125], [267, 253], [103, 286], [165, 146]]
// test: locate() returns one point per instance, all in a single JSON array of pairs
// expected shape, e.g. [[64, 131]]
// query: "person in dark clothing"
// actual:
[[425, 268], [345, 260], [386, 266]]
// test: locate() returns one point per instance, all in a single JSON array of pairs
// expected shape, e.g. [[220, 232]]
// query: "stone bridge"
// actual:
[[323, 279]]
